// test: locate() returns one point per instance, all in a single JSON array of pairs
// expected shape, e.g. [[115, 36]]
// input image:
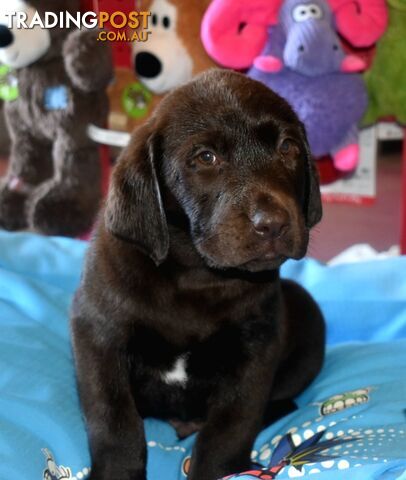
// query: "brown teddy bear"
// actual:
[[174, 52], [53, 183], [131, 103], [172, 55]]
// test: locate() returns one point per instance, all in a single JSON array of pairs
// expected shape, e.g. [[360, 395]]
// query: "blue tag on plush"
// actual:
[[56, 98]]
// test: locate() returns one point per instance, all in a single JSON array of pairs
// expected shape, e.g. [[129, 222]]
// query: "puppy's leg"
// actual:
[[278, 409], [235, 417], [115, 429], [307, 340]]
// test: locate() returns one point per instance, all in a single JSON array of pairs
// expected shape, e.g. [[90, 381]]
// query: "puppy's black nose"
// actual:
[[147, 65], [6, 36], [270, 224]]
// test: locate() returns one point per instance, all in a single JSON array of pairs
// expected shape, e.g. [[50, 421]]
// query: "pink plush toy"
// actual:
[[234, 32], [304, 63], [361, 22]]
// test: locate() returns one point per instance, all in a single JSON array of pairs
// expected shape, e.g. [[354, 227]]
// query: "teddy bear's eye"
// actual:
[[166, 22], [154, 19]]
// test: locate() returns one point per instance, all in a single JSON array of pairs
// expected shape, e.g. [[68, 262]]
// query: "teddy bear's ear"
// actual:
[[134, 210]]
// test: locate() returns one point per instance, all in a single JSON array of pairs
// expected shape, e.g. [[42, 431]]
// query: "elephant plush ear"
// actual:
[[361, 22], [134, 210], [234, 32]]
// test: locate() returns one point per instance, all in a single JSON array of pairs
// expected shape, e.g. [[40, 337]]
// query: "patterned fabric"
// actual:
[[358, 402]]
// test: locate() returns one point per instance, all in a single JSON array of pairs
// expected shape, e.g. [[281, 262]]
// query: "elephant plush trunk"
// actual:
[[313, 49]]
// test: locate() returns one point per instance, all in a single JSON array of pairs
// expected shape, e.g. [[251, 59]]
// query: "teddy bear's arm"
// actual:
[[88, 61]]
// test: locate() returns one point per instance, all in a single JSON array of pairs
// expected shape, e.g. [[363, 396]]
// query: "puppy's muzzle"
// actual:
[[270, 224]]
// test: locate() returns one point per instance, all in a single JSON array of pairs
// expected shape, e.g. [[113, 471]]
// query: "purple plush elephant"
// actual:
[[304, 62]]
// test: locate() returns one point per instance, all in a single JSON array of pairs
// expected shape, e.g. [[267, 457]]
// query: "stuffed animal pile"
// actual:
[[174, 52], [172, 55], [293, 46], [60, 76], [304, 62]]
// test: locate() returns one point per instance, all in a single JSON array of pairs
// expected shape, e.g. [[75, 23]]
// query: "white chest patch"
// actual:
[[178, 373]]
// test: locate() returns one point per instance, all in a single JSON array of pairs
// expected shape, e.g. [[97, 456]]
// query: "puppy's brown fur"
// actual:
[[209, 199]]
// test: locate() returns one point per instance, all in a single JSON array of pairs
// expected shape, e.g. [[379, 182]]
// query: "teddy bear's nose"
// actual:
[[147, 65], [6, 36]]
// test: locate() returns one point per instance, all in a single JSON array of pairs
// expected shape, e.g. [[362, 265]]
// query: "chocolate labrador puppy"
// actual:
[[181, 314]]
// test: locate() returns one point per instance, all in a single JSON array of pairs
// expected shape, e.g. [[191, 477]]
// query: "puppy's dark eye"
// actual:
[[288, 146], [207, 158]]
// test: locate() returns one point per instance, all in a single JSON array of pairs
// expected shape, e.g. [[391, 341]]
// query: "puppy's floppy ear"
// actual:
[[313, 206], [134, 210]]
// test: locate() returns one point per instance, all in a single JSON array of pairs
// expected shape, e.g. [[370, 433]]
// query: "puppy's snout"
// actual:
[[147, 65], [6, 36], [270, 224]]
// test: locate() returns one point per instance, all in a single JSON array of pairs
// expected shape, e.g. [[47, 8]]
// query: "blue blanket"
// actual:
[[358, 400]]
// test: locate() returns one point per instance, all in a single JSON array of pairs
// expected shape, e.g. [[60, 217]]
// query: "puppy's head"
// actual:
[[229, 156]]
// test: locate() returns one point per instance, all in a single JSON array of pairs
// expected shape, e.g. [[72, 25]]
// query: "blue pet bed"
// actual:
[[351, 423]]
